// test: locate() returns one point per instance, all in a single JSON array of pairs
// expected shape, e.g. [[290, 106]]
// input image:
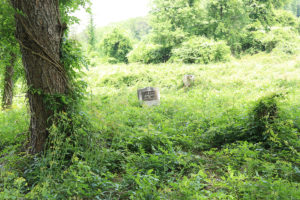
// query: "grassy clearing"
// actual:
[[219, 88], [183, 131], [198, 144]]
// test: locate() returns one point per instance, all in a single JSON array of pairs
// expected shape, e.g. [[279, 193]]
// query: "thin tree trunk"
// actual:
[[39, 32], [7, 98], [298, 8]]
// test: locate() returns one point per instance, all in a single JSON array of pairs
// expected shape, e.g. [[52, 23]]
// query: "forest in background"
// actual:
[[233, 134], [168, 34]]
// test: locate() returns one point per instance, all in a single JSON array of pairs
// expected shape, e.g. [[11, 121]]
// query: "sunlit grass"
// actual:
[[186, 147], [218, 87]]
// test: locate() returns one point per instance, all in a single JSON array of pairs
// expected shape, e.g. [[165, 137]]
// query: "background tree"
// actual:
[[298, 8], [116, 45], [9, 52], [173, 21], [226, 20], [91, 33], [293, 6], [139, 27], [40, 27]]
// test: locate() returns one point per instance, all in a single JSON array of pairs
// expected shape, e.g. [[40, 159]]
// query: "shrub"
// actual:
[[252, 42], [148, 53], [264, 113], [285, 18], [116, 45], [280, 38], [287, 47], [151, 144], [201, 50], [270, 128]]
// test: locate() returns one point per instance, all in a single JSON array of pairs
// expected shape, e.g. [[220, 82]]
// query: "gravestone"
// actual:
[[188, 80], [149, 96]]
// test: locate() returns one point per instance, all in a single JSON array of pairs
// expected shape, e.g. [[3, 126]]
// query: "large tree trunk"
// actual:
[[39, 32], [7, 98]]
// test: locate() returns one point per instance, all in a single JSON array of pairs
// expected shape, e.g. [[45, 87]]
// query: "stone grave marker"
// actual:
[[149, 96], [188, 80]]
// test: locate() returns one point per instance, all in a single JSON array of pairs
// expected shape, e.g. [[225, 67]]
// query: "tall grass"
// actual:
[[199, 143]]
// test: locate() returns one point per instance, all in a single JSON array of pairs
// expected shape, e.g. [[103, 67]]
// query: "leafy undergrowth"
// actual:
[[233, 135]]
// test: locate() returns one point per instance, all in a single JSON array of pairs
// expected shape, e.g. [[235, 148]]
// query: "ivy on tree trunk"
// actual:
[[39, 31]]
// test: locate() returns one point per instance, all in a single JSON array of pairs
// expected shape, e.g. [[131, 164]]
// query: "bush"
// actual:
[[287, 47], [116, 45], [285, 18], [270, 128], [148, 53], [201, 50], [252, 42], [280, 38], [264, 113], [277, 36]]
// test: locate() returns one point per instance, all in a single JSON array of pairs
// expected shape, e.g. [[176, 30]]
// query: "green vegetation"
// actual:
[[147, 53], [10, 67], [135, 28], [116, 46], [201, 50], [277, 38], [233, 135], [245, 26], [292, 6], [91, 34]]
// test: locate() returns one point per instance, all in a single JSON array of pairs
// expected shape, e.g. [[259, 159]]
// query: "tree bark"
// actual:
[[39, 32], [7, 98]]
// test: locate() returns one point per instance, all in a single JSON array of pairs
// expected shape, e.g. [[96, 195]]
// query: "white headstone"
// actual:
[[188, 80], [149, 96]]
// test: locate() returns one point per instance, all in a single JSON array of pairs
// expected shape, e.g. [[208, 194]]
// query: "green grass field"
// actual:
[[199, 143], [222, 92]]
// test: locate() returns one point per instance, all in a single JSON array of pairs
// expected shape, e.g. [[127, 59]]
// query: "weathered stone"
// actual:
[[188, 80], [149, 96]]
